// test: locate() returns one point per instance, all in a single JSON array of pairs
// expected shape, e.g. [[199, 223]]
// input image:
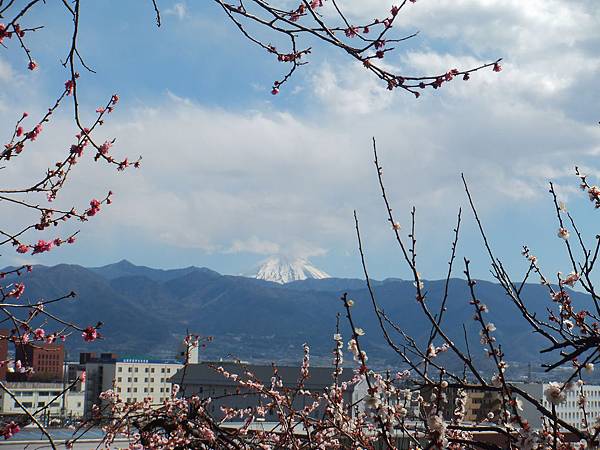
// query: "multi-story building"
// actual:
[[568, 410], [480, 403], [39, 395], [3, 352], [132, 379], [46, 360], [203, 380]]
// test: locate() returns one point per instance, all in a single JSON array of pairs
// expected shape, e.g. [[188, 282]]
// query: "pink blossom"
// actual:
[[94, 208], [351, 32], [90, 334], [17, 291], [77, 149], [104, 147], [10, 430], [42, 246], [33, 134], [69, 86], [571, 279], [22, 248], [39, 334]]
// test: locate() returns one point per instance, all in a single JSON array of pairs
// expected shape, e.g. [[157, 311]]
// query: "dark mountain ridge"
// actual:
[[148, 311]]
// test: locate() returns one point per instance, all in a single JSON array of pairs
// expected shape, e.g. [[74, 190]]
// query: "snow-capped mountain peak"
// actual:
[[281, 269]]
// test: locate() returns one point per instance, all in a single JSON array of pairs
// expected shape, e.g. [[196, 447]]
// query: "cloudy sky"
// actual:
[[232, 174]]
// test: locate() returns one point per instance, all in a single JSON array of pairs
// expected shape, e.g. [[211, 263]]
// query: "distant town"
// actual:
[[69, 392]]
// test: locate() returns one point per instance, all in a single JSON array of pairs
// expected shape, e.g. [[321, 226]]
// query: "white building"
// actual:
[[38, 395], [133, 379], [569, 410]]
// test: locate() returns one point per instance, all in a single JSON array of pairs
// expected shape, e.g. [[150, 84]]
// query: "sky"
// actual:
[[232, 174]]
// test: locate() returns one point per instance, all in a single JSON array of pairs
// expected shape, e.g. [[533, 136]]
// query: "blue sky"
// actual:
[[232, 174]]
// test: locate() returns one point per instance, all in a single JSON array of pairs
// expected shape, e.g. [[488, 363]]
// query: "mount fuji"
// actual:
[[281, 269]]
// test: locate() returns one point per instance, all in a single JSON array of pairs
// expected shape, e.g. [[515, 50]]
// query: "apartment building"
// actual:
[[133, 379]]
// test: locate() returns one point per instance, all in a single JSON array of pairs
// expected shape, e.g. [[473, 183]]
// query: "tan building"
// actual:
[[478, 404], [133, 379]]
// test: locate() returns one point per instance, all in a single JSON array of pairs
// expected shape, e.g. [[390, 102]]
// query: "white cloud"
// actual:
[[254, 245], [350, 91], [178, 10], [285, 181]]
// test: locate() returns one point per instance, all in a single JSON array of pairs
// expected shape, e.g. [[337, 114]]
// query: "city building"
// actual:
[[46, 360], [568, 410], [4, 334], [35, 395], [480, 403], [132, 378], [203, 380]]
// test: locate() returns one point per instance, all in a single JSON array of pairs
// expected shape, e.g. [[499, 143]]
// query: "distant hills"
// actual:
[[147, 312]]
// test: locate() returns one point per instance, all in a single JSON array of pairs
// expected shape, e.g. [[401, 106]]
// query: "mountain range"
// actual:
[[146, 312]]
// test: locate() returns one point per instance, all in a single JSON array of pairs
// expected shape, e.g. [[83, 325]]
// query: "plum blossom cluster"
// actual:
[[188, 422], [324, 20], [31, 321]]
